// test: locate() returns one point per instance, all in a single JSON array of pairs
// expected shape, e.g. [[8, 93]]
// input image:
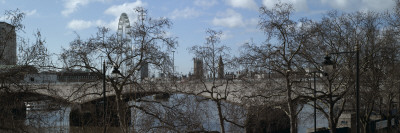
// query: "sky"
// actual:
[[60, 20]]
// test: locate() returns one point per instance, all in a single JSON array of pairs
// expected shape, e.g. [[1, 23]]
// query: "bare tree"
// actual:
[[31, 58], [388, 44], [218, 89], [333, 35], [147, 44], [280, 58]]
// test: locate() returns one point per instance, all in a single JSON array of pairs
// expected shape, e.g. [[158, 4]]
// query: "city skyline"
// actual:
[[59, 20]]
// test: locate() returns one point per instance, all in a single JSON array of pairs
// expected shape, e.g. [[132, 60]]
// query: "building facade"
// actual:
[[198, 68], [8, 44], [144, 71]]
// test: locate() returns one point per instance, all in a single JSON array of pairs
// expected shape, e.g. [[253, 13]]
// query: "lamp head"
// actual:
[[115, 72], [328, 65]]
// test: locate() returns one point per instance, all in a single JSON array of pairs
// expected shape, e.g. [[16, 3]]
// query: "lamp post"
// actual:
[[315, 99], [104, 96], [327, 59], [315, 105], [115, 74], [173, 62], [327, 67], [315, 93], [358, 88]]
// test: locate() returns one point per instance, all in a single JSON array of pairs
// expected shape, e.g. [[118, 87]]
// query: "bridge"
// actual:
[[86, 98], [89, 95], [82, 92], [234, 91]]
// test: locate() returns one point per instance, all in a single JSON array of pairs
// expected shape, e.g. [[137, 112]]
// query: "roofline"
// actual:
[[1, 22]]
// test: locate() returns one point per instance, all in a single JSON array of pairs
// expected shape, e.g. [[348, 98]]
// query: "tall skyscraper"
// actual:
[[198, 68], [8, 44], [144, 71], [220, 68]]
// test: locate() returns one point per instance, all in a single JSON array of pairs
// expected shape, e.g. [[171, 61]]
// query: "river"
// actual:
[[190, 113]]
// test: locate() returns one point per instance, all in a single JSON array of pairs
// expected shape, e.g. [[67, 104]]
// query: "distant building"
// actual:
[[144, 71], [76, 76], [12, 73], [40, 78], [198, 68], [220, 68], [348, 119], [8, 44], [63, 76]]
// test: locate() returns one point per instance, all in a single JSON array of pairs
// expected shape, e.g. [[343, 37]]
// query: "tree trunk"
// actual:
[[365, 127], [389, 118], [291, 107], [332, 126], [332, 123], [389, 124], [293, 124], [221, 119], [121, 112]]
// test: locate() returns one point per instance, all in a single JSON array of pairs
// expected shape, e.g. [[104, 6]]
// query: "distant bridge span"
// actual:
[[80, 92]]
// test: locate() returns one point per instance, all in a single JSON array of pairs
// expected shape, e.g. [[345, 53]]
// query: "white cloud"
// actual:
[[79, 24], [115, 11], [249, 4], [205, 3], [100, 23], [169, 34], [378, 5], [83, 24], [30, 13], [127, 8], [72, 5], [3, 1], [299, 5], [185, 13], [343, 5], [27, 13], [232, 19], [360, 5], [226, 35], [253, 21]]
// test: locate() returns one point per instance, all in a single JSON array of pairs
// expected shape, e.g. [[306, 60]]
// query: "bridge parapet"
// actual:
[[234, 91]]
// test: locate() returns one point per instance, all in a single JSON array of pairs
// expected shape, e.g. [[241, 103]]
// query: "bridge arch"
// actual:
[[32, 96], [91, 113]]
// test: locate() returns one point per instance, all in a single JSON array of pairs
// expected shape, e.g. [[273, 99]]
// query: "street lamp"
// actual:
[[327, 59], [328, 66], [315, 92], [115, 73]]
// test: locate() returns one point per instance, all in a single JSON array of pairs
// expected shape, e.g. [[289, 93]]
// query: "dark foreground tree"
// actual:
[[281, 57], [212, 55], [146, 44], [29, 58]]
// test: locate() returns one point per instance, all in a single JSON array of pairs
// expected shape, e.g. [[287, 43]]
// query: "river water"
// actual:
[[306, 119], [185, 112], [188, 112]]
